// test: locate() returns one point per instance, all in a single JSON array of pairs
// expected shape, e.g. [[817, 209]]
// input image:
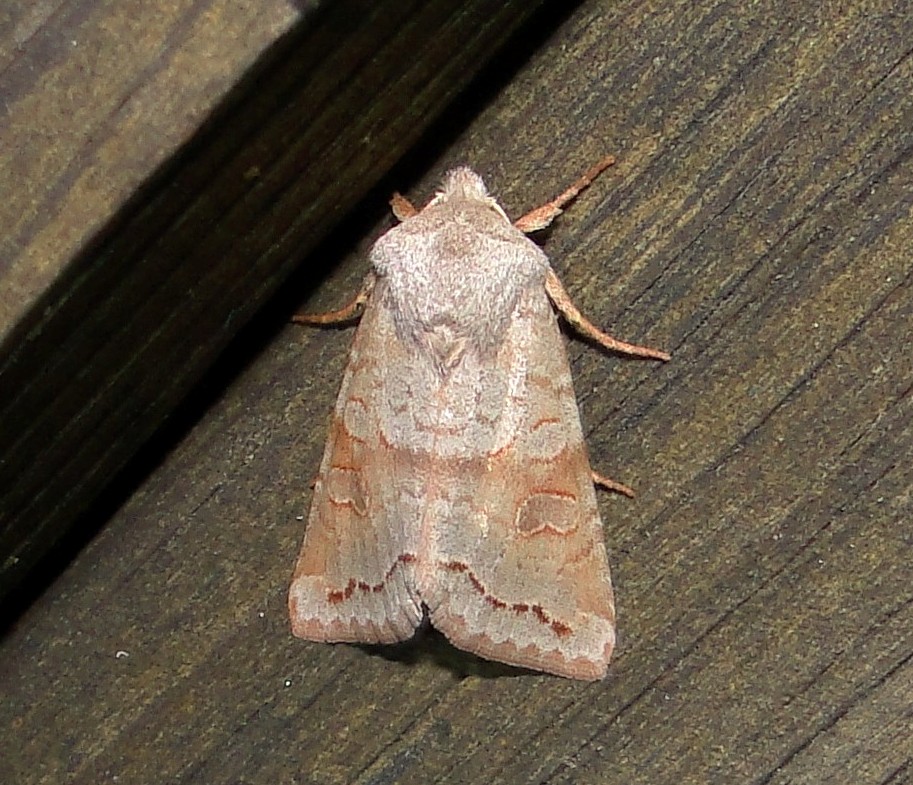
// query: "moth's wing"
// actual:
[[354, 580], [518, 569]]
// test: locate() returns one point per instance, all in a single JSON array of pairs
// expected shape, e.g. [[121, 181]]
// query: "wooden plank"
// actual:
[[170, 166], [758, 226]]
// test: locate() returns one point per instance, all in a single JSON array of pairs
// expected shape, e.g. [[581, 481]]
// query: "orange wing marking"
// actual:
[[336, 596], [537, 611]]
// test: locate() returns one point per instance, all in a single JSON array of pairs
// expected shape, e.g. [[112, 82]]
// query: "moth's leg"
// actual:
[[542, 216], [611, 485], [562, 301], [402, 207], [345, 314]]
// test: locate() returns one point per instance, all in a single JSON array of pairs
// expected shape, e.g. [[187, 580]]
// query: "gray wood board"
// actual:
[[141, 232], [758, 226]]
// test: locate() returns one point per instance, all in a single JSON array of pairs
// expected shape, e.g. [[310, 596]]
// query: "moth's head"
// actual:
[[462, 184]]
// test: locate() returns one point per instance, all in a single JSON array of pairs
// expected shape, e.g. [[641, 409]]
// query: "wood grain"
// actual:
[[171, 163], [758, 225]]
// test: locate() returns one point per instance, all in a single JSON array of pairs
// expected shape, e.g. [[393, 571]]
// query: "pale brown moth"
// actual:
[[455, 482]]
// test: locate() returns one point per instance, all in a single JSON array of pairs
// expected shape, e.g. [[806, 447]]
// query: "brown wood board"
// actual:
[[758, 226], [170, 165]]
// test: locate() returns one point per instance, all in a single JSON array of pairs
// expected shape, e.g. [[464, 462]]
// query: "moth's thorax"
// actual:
[[455, 271]]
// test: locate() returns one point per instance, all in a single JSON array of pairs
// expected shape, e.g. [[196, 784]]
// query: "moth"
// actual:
[[455, 484]]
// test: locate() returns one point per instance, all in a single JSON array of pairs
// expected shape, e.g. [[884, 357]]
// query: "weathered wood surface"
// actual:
[[759, 226], [169, 164]]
